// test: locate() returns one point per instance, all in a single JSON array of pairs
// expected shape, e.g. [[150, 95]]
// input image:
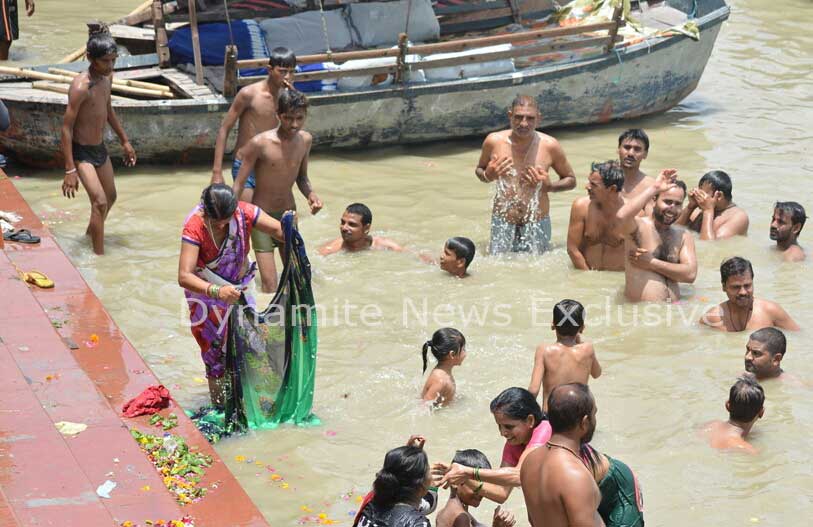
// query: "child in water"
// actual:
[[569, 359], [448, 346], [457, 255]]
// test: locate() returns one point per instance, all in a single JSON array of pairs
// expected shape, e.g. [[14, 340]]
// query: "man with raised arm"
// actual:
[[742, 310], [518, 159], [89, 110], [255, 107], [659, 254], [559, 489]]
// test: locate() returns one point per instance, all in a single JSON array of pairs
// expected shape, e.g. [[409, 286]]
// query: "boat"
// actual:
[[581, 71]]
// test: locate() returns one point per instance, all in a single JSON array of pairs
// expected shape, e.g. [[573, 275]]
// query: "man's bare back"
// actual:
[[723, 435], [556, 364]]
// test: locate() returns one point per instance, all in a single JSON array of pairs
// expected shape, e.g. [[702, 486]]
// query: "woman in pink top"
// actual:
[[524, 426]]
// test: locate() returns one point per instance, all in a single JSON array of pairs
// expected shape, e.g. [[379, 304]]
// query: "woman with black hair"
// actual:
[[214, 269], [525, 428], [402, 493]]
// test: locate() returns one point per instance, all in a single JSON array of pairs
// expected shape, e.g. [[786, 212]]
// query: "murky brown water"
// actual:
[[750, 116]]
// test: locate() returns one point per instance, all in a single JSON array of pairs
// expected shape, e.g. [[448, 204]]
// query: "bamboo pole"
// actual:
[[119, 82], [80, 52], [193, 23], [441, 47], [32, 74], [63, 88]]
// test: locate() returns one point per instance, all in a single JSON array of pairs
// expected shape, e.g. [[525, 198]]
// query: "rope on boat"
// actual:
[[324, 30], [228, 21], [620, 64]]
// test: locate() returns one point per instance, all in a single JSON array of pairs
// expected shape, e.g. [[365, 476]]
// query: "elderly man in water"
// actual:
[[742, 311], [355, 233], [786, 225], [519, 159], [745, 406], [711, 211], [659, 254]]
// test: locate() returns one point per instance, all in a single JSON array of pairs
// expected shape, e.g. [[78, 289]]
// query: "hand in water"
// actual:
[[503, 518], [538, 175], [641, 258], [498, 167], [129, 154], [666, 179]]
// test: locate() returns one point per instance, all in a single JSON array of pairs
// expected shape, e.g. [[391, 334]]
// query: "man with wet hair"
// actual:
[[519, 159], [742, 311], [633, 148], [355, 233], [9, 24], [659, 255], [786, 225], [711, 211], [764, 353], [458, 252], [594, 239], [279, 157], [255, 108], [89, 110], [745, 405], [559, 489]]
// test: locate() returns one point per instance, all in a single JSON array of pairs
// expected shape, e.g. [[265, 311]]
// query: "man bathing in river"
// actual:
[[786, 225], [594, 237], [255, 107], [633, 148], [89, 109], [280, 158], [742, 311], [659, 254], [745, 406], [711, 211], [355, 233], [518, 159], [764, 353]]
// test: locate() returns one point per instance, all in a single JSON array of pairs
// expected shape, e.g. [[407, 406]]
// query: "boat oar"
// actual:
[[32, 74]]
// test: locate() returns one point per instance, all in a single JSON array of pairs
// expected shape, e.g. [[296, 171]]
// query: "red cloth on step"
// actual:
[[147, 402]]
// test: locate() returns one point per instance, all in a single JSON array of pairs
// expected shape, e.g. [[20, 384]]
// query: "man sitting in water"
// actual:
[[659, 254], [633, 148], [279, 157], [594, 238], [518, 159], [742, 311], [745, 405], [457, 256], [355, 233], [255, 107], [786, 225], [711, 211], [569, 359], [764, 353]]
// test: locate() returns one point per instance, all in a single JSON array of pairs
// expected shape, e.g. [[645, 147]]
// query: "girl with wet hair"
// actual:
[[448, 345], [213, 269]]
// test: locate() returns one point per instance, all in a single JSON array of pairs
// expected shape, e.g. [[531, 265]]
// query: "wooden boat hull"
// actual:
[[637, 80]]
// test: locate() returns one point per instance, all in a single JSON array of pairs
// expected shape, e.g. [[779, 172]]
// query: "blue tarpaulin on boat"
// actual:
[[248, 37]]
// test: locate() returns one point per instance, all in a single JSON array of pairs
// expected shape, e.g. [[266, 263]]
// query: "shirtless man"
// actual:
[[568, 360], [559, 489], [594, 240], [659, 254], [255, 106], [764, 353], [518, 159], [280, 158], [711, 211], [745, 405], [355, 233], [633, 147], [89, 109], [742, 311], [786, 225]]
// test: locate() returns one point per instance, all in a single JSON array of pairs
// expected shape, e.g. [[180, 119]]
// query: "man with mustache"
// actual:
[[633, 148], [355, 233], [659, 254], [764, 353], [518, 159], [559, 489], [786, 225], [742, 311]]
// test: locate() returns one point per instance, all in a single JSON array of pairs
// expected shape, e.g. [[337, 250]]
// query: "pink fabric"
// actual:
[[512, 453], [147, 402]]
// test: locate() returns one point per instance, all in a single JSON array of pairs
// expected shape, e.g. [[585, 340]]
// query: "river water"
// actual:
[[663, 377]]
